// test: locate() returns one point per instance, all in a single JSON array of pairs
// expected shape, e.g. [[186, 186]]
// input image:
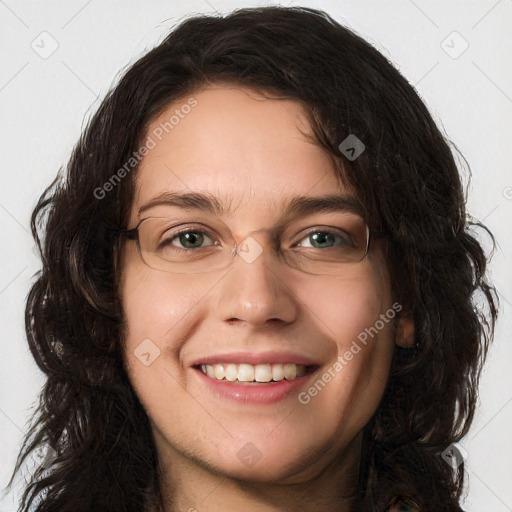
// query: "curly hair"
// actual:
[[409, 184]]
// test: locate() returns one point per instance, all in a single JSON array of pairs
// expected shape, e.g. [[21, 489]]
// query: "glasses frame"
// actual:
[[133, 234]]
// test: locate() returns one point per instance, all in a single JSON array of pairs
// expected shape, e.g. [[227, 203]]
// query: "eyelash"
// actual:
[[168, 241]]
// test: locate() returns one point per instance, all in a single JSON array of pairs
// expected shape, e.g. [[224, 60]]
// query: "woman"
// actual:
[[257, 284]]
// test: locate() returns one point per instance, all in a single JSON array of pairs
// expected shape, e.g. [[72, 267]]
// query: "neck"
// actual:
[[324, 486]]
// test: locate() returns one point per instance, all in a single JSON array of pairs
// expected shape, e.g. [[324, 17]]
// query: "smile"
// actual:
[[261, 384], [261, 373]]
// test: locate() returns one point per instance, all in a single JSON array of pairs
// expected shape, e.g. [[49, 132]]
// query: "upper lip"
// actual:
[[255, 358]]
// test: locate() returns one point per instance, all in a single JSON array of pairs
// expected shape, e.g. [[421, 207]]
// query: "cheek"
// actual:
[[345, 308], [157, 310], [155, 305], [357, 315]]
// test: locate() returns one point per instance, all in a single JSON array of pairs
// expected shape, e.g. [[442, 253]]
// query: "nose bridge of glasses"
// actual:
[[251, 245]]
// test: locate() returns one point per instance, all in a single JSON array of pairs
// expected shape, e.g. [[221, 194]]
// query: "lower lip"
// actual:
[[256, 393]]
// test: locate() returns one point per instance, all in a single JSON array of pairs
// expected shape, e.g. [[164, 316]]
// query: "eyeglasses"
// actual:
[[170, 245]]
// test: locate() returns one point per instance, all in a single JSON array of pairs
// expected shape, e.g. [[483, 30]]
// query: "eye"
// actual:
[[322, 238], [187, 239]]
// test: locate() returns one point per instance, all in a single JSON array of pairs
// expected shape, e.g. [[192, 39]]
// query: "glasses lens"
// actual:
[[180, 250], [331, 250], [195, 249]]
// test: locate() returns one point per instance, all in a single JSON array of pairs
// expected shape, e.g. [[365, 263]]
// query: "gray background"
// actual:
[[45, 97]]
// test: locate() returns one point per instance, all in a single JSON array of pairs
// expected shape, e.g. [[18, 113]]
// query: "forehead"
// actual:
[[249, 151]]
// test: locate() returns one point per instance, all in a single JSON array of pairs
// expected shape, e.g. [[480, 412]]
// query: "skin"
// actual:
[[252, 154]]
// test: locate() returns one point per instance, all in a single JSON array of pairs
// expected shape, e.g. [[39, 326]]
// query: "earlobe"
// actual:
[[405, 332]]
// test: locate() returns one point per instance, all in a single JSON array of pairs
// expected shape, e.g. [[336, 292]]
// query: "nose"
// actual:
[[257, 291]]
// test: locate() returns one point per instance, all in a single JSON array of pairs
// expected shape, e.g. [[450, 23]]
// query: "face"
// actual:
[[252, 154]]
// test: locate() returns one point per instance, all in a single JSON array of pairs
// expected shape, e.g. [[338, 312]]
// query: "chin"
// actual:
[[267, 462]]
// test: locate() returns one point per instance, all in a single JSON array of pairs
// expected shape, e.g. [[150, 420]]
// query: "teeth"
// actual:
[[253, 373], [277, 372], [245, 372], [290, 371], [209, 370], [231, 372], [262, 373], [219, 372]]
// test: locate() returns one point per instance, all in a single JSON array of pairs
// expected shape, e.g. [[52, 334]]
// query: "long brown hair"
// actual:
[[407, 180]]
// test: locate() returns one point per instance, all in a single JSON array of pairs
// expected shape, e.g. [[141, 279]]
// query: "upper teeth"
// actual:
[[250, 373]]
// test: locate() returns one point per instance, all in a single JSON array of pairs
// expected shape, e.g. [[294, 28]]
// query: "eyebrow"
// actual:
[[296, 206]]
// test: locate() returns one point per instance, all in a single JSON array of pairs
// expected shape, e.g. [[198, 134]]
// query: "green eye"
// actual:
[[186, 239], [190, 239], [324, 239]]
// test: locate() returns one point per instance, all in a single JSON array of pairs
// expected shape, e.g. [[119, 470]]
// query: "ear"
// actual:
[[404, 336]]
